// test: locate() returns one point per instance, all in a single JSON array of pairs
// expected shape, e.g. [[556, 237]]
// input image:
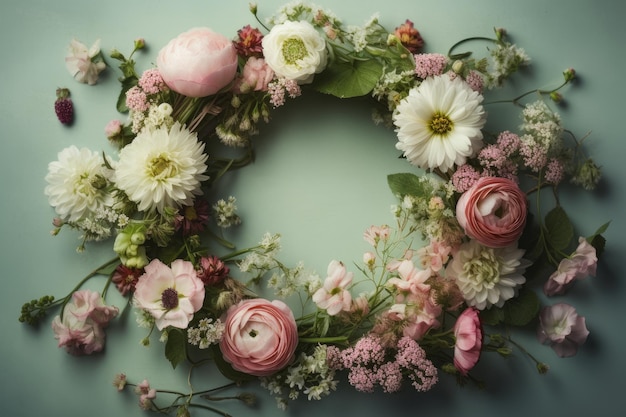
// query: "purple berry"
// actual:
[[63, 106]]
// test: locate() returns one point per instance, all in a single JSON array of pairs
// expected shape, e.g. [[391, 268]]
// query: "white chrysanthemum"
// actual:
[[77, 184], [487, 276], [439, 123], [162, 168]]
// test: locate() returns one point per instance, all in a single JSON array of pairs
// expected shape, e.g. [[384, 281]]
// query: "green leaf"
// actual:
[[175, 348], [560, 230], [405, 184], [108, 270], [346, 80], [226, 369], [521, 310], [127, 84], [492, 316]]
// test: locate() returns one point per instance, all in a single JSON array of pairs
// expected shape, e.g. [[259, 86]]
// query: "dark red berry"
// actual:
[[63, 106]]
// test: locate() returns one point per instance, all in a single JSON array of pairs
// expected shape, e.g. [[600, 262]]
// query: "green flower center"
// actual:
[[293, 50], [440, 124], [169, 299], [162, 167], [484, 269]]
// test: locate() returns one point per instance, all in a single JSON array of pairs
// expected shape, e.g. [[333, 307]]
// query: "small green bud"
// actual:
[[588, 175], [253, 8], [140, 43], [556, 96], [500, 33], [569, 74], [457, 66], [115, 54], [543, 368], [248, 399]]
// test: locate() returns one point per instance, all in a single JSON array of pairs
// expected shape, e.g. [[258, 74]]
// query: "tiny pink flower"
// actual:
[[256, 75], [85, 64], [113, 128], [374, 234], [434, 256], [170, 295], [334, 296], [562, 328], [430, 64], [469, 340]]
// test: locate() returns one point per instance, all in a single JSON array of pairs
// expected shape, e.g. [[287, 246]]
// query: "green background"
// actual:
[[319, 180]]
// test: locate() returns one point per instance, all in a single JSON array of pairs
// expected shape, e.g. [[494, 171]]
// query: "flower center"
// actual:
[[162, 167], [169, 299], [253, 333], [293, 50], [440, 124], [190, 213], [485, 268]]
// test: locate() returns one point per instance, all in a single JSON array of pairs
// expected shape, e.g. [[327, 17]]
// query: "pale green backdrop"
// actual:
[[319, 180]]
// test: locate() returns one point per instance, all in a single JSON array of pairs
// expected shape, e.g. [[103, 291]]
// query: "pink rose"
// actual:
[[562, 328], [198, 63], [81, 331], [170, 295], [260, 336], [255, 76], [469, 340], [493, 211]]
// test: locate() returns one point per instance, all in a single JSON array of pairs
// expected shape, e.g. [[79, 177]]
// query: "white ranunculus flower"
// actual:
[[162, 168], [295, 51], [487, 276], [78, 184], [439, 123]]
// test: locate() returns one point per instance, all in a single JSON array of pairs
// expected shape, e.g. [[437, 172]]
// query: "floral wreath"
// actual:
[[429, 311]]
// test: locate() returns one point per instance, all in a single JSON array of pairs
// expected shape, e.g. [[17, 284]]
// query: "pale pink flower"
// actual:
[[562, 328], [434, 256], [469, 340], [579, 265], [464, 178], [256, 75], [84, 64], [430, 64], [374, 234], [198, 63], [146, 394], [113, 128], [493, 211], [260, 337], [334, 296], [410, 280], [170, 295], [81, 331]]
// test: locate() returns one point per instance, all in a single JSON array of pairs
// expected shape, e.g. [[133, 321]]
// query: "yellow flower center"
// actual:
[[484, 269], [162, 168], [293, 50], [440, 124]]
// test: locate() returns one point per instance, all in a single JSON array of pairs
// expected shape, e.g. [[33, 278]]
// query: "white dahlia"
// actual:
[[439, 123], [162, 168], [78, 184], [487, 276]]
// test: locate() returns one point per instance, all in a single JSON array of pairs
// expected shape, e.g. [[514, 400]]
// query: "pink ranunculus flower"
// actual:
[[334, 296], [493, 211], [469, 340], [255, 76], [581, 264], [260, 336], [81, 331], [198, 63], [562, 328], [170, 294]]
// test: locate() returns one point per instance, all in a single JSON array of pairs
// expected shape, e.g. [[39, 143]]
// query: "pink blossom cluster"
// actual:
[[280, 88], [370, 364], [81, 329], [146, 394], [430, 64]]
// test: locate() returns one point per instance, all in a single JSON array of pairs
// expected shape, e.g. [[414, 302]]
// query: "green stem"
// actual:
[[462, 41]]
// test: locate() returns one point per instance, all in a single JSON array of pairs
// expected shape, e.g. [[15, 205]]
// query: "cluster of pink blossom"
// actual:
[[430, 64], [370, 364], [281, 87], [81, 328]]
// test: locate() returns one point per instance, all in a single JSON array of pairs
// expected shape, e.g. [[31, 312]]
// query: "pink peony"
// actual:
[[493, 211], [260, 336], [170, 295], [469, 340], [198, 63], [333, 296], [81, 331], [562, 328], [581, 264]]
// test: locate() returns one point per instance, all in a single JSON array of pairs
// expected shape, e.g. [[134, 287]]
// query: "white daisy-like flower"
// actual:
[[77, 184], [439, 123], [487, 276], [162, 168]]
